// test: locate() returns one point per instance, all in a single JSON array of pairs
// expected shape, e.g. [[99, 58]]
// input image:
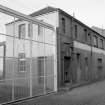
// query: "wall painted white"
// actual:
[[51, 18]]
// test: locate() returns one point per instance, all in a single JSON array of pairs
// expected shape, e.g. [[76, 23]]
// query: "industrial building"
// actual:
[[28, 57], [45, 51], [80, 50]]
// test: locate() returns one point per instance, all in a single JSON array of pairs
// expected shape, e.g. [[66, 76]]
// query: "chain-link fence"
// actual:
[[27, 57]]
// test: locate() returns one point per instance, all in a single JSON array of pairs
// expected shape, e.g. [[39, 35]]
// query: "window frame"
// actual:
[[21, 61], [63, 25], [75, 31], [101, 43], [40, 30], [95, 41], [85, 34], [19, 31]]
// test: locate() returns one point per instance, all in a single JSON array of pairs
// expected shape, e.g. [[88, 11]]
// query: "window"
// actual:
[[86, 61], [78, 57], [40, 30], [95, 41], [30, 30], [85, 33], [99, 60], [89, 37], [63, 25], [99, 68], [101, 43], [75, 30], [22, 31], [21, 62]]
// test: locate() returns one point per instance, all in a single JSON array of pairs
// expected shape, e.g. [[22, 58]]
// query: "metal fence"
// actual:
[[27, 56]]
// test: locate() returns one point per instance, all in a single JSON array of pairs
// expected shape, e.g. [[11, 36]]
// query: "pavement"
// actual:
[[93, 94]]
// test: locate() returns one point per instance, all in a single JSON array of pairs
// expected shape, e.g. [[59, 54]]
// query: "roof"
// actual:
[[51, 9], [24, 17], [43, 11]]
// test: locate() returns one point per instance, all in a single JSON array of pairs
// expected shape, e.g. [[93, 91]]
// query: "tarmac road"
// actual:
[[93, 94]]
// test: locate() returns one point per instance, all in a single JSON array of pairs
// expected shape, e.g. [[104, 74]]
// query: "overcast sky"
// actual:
[[90, 12]]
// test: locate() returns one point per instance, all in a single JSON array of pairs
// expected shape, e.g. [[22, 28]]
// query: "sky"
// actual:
[[90, 12]]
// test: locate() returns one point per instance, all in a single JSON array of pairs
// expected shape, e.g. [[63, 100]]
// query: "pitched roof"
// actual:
[[43, 11], [51, 9]]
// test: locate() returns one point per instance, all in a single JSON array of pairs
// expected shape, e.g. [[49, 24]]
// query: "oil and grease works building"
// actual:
[[45, 51]]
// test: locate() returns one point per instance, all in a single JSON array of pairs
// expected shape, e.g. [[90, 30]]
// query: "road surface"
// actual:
[[93, 94]]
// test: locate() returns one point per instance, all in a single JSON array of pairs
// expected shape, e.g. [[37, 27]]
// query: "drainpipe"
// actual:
[[91, 55], [71, 47]]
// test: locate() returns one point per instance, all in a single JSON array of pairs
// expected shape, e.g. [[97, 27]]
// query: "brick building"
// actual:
[[80, 50]]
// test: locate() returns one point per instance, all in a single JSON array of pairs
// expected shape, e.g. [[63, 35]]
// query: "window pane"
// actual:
[[63, 25], [35, 32], [95, 41], [22, 31]]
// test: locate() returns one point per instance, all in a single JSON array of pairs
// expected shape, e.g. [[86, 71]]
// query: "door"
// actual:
[[67, 69]]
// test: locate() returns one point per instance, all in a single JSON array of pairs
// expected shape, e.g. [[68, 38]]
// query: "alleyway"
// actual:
[[93, 94]]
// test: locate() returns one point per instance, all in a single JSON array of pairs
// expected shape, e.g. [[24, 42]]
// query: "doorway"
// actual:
[[67, 61]]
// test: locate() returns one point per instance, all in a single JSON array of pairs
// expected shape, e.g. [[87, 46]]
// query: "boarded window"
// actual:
[[22, 31], [21, 62]]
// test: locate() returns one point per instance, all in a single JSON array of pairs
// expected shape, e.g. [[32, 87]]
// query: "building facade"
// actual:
[[46, 51], [80, 50], [28, 66]]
